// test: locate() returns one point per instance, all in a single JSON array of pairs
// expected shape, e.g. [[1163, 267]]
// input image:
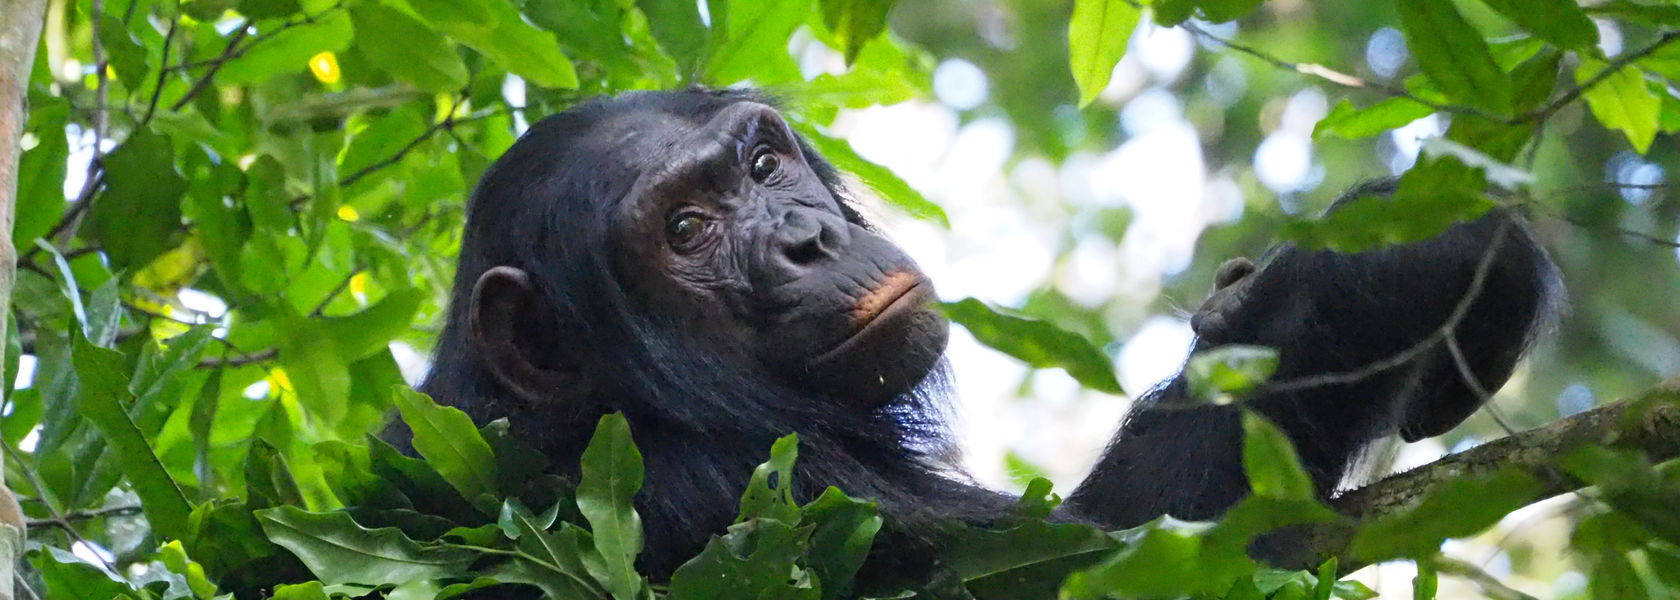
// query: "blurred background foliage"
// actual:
[[257, 204]]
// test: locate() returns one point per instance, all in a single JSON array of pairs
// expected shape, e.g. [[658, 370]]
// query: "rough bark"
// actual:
[[1649, 423], [20, 31]]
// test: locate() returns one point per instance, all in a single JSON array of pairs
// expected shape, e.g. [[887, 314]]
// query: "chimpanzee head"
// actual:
[[676, 244]]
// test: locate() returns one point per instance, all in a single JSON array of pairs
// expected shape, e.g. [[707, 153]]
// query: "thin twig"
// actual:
[[162, 78], [233, 50], [1468, 376], [1537, 115], [1483, 267], [42, 496], [227, 54], [1545, 112], [447, 123], [1491, 586], [83, 515]]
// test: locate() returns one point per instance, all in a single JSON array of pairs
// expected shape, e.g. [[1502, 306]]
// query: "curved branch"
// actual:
[[1648, 423]]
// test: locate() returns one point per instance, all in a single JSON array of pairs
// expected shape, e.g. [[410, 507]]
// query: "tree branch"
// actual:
[[1648, 423], [20, 32]]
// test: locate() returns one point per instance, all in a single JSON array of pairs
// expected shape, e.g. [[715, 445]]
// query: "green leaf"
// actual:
[[268, 479], [174, 557], [1493, 170], [1621, 101], [318, 371], [676, 25], [855, 22], [977, 554], [1432, 196], [288, 50], [612, 474], [141, 206], [553, 583], [1219, 374], [127, 57], [310, 590], [754, 43], [1347, 122], [1159, 563], [268, 9], [449, 441], [428, 491], [769, 493], [498, 31], [1038, 343], [754, 560], [1453, 54], [1456, 508], [559, 553], [1425, 583], [68, 577], [881, 179], [41, 170], [1097, 37], [845, 531], [363, 334], [1560, 22], [337, 550], [1220, 11], [407, 49], [1269, 460], [103, 377], [1659, 15]]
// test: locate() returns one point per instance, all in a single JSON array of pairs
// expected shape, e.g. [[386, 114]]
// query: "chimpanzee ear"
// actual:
[[517, 339]]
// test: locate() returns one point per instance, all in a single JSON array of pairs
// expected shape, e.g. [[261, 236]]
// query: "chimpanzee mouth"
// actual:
[[900, 294]]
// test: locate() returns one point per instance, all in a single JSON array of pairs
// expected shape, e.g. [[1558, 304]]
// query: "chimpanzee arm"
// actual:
[[1365, 343]]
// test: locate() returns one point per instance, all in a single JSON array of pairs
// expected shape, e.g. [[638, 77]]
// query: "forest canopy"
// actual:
[[235, 225]]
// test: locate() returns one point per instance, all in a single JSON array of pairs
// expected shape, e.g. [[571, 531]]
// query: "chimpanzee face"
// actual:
[[733, 238], [729, 237]]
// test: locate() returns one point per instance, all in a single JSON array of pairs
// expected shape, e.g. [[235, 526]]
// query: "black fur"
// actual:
[[703, 425]]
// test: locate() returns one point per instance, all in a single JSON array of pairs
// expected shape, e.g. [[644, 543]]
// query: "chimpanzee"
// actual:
[[688, 260]]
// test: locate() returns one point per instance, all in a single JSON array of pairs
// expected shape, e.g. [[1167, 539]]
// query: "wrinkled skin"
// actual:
[[685, 259], [753, 253]]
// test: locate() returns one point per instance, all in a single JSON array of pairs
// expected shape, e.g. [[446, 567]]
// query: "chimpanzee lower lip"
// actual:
[[872, 304], [909, 295]]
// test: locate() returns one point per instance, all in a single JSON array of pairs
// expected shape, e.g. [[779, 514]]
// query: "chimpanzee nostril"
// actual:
[[804, 239], [806, 252]]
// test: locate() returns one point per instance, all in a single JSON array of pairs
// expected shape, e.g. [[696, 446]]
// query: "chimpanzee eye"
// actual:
[[765, 163], [685, 230]]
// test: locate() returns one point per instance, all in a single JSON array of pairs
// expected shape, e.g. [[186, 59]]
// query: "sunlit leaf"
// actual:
[[498, 31], [1037, 343], [612, 474], [1097, 37], [1560, 22], [1453, 54], [855, 22], [1455, 508], [449, 441], [754, 43], [1270, 462], [141, 205], [1347, 122], [407, 49], [288, 47], [894, 190], [1230, 370], [1622, 102]]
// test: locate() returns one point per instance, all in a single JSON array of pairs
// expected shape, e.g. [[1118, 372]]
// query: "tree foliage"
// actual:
[[231, 211]]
